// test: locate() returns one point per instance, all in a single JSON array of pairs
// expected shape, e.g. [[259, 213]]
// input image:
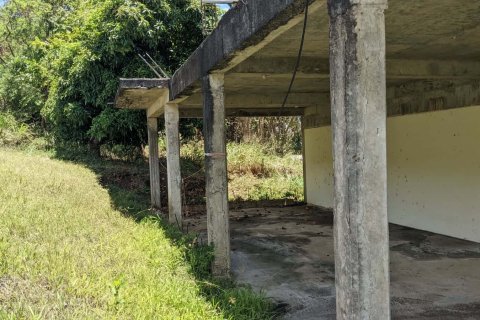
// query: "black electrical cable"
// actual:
[[299, 57]]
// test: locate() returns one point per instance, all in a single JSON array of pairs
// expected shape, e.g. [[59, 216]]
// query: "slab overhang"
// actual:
[[140, 93]]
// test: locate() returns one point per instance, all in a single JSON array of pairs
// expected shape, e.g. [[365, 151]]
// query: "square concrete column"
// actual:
[[153, 162], [358, 99], [304, 161], [173, 164], [216, 172]]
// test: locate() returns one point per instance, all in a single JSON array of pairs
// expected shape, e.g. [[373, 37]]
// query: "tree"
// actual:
[[62, 60]]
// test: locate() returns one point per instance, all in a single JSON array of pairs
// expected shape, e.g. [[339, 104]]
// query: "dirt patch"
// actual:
[[14, 291]]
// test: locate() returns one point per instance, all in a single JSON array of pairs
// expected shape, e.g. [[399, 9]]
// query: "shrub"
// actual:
[[12, 132], [60, 61]]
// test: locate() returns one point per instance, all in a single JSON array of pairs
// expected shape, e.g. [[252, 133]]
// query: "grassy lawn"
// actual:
[[69, 250]]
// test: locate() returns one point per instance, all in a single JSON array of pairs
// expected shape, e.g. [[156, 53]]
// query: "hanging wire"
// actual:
[[299, 57]]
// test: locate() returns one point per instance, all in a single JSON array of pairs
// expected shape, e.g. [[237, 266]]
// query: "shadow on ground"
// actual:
[[128, 186]]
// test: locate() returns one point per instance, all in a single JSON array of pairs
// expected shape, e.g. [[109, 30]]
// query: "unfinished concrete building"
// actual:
[[389, 93]]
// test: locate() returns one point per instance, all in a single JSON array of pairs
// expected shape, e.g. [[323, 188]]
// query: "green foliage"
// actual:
[[12, 132], [255, 171], [23, 89], [281, 135], [126, 127], [61, 60]]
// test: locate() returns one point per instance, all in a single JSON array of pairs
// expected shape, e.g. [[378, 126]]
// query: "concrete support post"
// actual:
[[216, 172], [358, 99], [173, 165], [304, 160], [153, 162]]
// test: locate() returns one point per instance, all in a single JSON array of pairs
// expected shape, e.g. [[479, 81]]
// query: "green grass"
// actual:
[[256, 173], [69, 249]]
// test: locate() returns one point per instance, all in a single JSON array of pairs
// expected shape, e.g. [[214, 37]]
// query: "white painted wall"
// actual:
[[319, 167], [433, 171]]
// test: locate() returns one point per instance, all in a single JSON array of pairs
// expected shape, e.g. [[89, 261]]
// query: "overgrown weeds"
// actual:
[[254, 171]]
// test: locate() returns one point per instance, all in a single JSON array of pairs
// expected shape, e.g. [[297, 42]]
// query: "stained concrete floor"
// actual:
[[288, 254]]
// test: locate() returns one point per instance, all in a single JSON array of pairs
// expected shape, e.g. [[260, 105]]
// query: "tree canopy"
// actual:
[[60, 61]]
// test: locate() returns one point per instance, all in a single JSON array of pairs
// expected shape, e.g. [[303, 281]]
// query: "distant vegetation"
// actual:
[[255, 172], [60, 61]]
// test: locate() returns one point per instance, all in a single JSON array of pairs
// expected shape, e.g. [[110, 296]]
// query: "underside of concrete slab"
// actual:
[[288, 254], [432, 49]]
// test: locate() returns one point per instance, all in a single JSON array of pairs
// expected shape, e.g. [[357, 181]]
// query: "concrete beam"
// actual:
[[152, 124], [257, 68], [173, 165], [268, 100], [216, 173], [426, 97], [158, 107], [417, 97], [243, 31], [191, 112], [358, 89]]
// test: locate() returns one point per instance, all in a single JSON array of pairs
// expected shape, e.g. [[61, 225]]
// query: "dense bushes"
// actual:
[[60, 61]]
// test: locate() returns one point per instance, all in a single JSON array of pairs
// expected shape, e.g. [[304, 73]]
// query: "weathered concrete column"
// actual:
[[216, 172], [173, 164], [358, 99], [304, 160], [153, 162]]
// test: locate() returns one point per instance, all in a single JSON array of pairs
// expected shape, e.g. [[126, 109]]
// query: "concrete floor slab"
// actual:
[[288, 253]]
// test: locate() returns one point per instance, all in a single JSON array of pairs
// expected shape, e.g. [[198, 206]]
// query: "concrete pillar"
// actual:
[[216, 172], [358, 99], [304, 160], [153, 162], [173, 164]]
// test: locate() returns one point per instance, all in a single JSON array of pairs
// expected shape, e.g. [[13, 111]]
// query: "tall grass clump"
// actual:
[[257, 173]]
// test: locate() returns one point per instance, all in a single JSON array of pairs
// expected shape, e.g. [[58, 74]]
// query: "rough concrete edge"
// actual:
[[244, 26], [138, 83]]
